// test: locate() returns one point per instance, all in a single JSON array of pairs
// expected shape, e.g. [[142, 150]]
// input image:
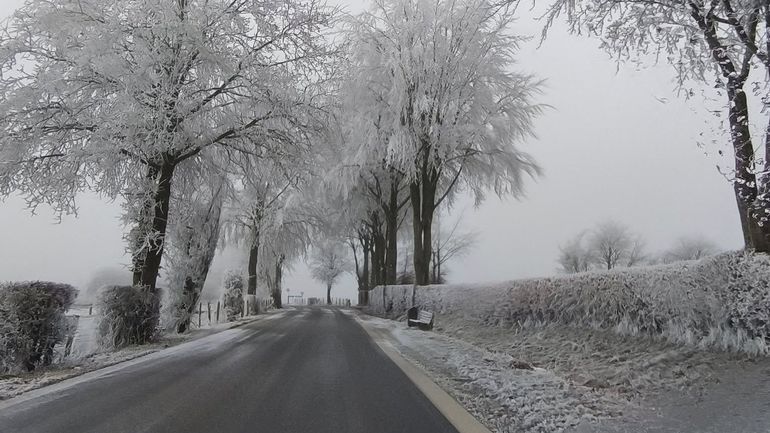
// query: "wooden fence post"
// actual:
[[200, 312], [208, 306], [217, 311]]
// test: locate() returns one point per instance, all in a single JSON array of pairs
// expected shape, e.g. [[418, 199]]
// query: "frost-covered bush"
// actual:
[[719, 302], [32, 322], [129, 315], [233, 298]]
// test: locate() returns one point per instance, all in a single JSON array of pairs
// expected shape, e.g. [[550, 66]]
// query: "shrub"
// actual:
[[233, 295], [129, 315], [720, 302], [32, 322]]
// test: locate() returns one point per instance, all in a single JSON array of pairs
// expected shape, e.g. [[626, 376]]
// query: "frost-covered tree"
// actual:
[[113, 95], [193, 239], [440, 96], [328, 262], [265, 185], [689, 248], [286, 236], [611, 244], [233, 296], [574, 256], [722, 43]]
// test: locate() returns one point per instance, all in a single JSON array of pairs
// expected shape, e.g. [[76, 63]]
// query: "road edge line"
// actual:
[[452, 410]]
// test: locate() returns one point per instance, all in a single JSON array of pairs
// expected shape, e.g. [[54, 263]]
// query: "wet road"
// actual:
[[305, 370]]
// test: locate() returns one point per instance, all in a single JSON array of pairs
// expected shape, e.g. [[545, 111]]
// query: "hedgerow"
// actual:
[[721, 302]]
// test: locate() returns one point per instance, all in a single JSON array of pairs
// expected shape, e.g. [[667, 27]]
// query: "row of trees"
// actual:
[[431, 107], [261, 121], [198, 116], [611, 245], [248, 122]]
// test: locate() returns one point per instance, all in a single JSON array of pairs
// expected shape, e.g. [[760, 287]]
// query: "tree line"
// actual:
[[277, 125], [610, 244]]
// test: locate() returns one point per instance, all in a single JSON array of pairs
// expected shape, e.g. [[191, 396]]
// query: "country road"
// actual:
[[305, 370]]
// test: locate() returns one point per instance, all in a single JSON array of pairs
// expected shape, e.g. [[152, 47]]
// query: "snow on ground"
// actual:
[[586, 380], [13, 385], [507, 395]]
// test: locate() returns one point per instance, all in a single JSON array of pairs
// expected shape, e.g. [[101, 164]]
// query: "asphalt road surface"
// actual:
[[307, 370]]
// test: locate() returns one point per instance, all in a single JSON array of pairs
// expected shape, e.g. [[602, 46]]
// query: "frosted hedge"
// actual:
[[721, 302], [128, 315], [32, 322]]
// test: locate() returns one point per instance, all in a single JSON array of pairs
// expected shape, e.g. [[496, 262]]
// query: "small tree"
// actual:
[[574, 257], [328, 263], [448, 245], [690, 248], [612, 244], [233, 295]]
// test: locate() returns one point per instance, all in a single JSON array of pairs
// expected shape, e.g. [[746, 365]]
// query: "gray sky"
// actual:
[[618, 143]]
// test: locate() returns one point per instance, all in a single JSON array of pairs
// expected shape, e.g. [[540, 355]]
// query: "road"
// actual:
[[305, 370]]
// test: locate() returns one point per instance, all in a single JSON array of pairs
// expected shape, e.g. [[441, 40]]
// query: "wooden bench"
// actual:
[[420, 318]]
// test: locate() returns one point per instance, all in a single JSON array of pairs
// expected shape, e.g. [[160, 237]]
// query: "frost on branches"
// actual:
[[329, 261], [114, 96], [435, 83], [194, 236]]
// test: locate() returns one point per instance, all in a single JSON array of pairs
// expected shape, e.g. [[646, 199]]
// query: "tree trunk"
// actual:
[[365, 276], [328, 294], [377, 242], [379, 249], [191, 296], [147, 261], [423, 196], [745, 185], [252, 268], [276, 294], [391, 235]]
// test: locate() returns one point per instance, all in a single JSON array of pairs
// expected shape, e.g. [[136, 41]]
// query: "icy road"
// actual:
[[305, 370]]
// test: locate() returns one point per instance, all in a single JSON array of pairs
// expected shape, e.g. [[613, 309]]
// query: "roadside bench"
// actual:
[[420, 318]]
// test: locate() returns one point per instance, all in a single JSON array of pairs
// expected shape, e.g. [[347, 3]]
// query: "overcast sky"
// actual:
[[618, 143]]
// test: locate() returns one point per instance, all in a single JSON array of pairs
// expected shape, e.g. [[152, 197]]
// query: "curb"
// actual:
[[454, 412]]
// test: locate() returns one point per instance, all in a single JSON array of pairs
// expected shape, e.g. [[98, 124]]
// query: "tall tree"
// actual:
[[115, 95], [265, 185], [193, 239], [452, 110], [722, 41], [328, 263]]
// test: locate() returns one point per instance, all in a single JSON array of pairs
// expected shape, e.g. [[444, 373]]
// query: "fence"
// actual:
[[82, 322], [215, 314], [339, 302]]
